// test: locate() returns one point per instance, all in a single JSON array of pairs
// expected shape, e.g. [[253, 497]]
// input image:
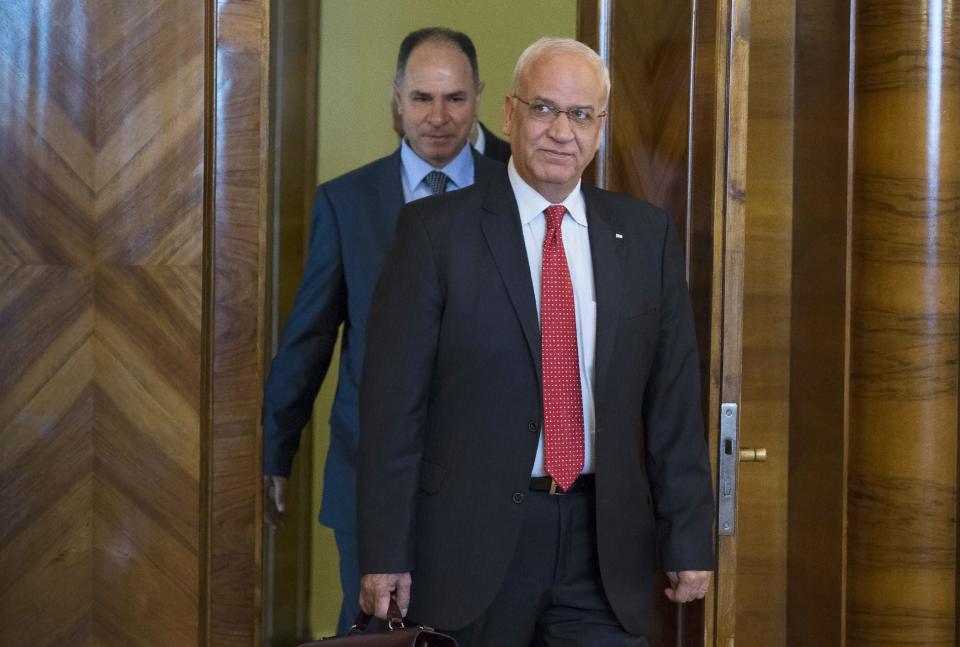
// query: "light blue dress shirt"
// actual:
[[576, 247], [414, 169]]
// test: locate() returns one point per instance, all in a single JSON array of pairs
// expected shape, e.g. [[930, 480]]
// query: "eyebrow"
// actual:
[[422, 94], [539, 99]]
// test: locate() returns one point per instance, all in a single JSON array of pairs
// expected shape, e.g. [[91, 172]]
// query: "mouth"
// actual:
[[555, 155]]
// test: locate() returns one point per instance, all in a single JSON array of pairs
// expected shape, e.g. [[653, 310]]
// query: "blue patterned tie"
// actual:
[[437, 181]]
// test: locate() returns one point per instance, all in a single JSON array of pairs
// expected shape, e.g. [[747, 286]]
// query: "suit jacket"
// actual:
[[354, 218], [450, 406], [495, 147]]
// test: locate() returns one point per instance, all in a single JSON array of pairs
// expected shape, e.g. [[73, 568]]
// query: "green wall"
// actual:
[[359, 41], [358, 48]]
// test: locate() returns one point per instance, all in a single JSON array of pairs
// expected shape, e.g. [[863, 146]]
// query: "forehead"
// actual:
[[437, 64], [566, 78]]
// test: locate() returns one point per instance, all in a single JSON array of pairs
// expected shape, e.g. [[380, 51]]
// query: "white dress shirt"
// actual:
[[576, 247]]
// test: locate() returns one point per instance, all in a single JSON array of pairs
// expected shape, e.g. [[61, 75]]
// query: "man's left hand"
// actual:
[[686, 586]]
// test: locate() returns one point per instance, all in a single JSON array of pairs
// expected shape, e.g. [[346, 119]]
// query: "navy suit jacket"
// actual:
[[451, 404], [354, 219]]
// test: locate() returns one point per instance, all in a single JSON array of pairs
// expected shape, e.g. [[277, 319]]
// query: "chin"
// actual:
[[436, 156], [557, 179]]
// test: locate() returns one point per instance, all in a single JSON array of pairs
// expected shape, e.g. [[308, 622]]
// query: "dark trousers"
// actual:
[[552, 596]]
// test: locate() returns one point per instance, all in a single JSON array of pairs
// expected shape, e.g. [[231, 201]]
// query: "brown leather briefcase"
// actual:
[[397, 634]]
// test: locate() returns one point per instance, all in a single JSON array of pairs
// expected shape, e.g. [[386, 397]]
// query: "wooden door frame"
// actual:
[[236, 192], [732, 82]]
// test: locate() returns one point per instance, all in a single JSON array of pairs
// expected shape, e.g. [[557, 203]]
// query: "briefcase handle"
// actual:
[[394, 619], [397, 634]]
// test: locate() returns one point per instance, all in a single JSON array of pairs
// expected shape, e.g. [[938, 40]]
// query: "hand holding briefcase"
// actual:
[[397, 634]]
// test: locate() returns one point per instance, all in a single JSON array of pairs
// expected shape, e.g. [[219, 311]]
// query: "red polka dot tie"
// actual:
[[562, 398]]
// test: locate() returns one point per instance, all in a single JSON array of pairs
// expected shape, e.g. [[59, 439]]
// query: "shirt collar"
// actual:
[[531, 204], [481, 143], [459, 169]]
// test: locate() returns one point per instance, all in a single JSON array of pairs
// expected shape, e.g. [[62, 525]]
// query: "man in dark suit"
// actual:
[[522, 477], [437, 91]]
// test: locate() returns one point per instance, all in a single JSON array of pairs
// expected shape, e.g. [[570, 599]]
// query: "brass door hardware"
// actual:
[[753, 455]]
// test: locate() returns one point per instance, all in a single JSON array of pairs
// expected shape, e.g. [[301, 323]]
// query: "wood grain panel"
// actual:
[[819, 321], [904, 316], [588, 32], [101, 220], [234, 350], [650, 105], [131, 292], [762, 520], [148, 222], [730, 195]]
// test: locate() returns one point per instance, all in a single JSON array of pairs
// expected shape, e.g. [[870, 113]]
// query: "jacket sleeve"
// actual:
[[307, 342], [401, 346], [677, 461]]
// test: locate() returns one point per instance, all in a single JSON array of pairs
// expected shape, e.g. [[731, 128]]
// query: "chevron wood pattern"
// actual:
[[101, 318]]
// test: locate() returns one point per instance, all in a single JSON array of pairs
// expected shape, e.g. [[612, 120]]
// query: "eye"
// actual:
[[582, 115], [541, 109]]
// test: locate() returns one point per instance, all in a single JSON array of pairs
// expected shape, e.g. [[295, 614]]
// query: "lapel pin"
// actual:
[[619, 235]]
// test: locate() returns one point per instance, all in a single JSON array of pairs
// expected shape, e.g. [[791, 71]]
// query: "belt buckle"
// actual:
[[553, 487]]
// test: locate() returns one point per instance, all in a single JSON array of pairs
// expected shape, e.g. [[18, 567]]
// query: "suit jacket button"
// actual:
[[532, 426], [518, 497]]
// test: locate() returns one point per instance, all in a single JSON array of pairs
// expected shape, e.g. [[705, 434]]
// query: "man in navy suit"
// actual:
[[437, 90], [531, 443]]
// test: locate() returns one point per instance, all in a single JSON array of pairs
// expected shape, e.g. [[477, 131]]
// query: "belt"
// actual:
[[583, 485]]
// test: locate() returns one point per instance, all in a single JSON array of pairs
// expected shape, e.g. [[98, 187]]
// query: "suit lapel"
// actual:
[[501, 227], [607, 252]]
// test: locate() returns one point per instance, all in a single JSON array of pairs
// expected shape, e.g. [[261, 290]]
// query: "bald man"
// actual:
[[531, 444]]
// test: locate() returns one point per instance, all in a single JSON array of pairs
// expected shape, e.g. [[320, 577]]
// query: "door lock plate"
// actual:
[[729, 454]]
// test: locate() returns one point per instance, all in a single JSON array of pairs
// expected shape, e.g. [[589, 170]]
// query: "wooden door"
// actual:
[[702, 125], [676, 137]]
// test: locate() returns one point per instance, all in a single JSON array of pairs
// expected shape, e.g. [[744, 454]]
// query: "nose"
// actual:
[[438, 113], [561, 129]]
